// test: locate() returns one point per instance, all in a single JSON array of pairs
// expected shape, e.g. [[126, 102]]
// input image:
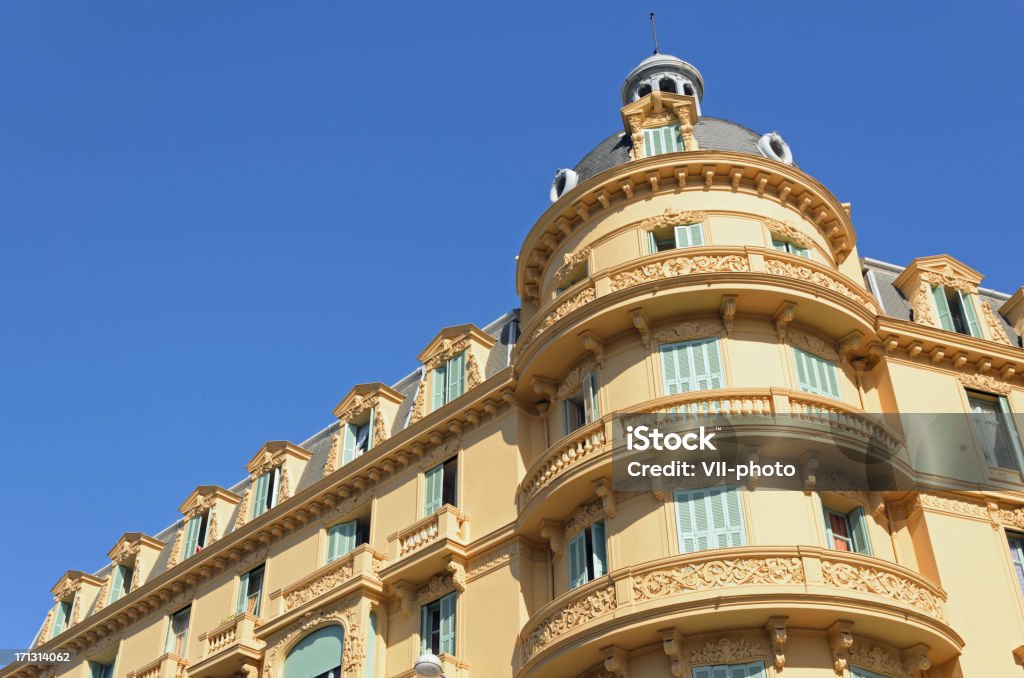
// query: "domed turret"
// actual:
[[663, 73]]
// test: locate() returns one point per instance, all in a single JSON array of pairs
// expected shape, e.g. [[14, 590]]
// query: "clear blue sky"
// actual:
[[215, 218]]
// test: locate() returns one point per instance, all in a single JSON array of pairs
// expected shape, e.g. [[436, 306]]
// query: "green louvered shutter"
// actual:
[[726, 517], [690, 235], [448, 624], [60, 618], [597, 537], [456, 377], [590, 407], [371, 646], [857, 672], [707, 364], [652, 242], [348, 448], [567, 424], [942, 305], [692, 525], [859, 531], [676, 369], [191, 537], [967, 303], [701, 672], [577, 560], [426, 629], [815, 374], [341, 539], [752, 670], [116, 583], [433, 481], [369, 435], [1009, 421], [96, 670], [259, 496], [243, 593], [437, 389]]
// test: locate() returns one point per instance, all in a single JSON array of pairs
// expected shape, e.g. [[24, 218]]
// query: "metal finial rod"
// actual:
[[654, 30]]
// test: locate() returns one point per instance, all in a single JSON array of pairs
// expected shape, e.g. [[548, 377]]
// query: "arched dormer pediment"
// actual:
[[131, 544], [281, 459], [466, 340], [919, 281], [206, 510], [659, 109], [365, 416], [72, 583], [76, 590], [206, 497], [134, 554]]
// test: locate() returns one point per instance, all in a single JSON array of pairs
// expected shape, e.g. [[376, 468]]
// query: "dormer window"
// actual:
[[449, 381], [783, 244], [675, 237], [665, 139], [265, 492], [358, 436], [195, 534], [956, 311], [62, 615], [120, 582]]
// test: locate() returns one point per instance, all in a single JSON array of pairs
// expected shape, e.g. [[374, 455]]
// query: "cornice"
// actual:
[[205, 496], [131, 542], [363, 396], [274, 453]]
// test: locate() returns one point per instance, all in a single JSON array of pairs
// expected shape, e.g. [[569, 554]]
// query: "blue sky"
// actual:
[[215, 218]]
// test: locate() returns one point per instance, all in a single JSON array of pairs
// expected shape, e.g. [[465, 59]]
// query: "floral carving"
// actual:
[[995, 326], [789, 232], [419, 403], [921, 303], [821, 278], [243, 509], [442, 584], [176, 548], [582, 610], [582, 517], [726, 650], [570, 262], [359, 405], [671, 217], [952, 505], [948, 278], [984, 382], [856, 577], [877, 659], [448, 349], [695, 329], [677, 266], [331, 463], [584, 296], [716, 573], [473, 377], [574, 380], [582, 445], [811, 344], [339, 573], [343, 614]]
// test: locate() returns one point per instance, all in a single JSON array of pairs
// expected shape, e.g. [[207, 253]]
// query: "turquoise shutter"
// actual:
[[371, 646], [752, 670], [727, 517], [690, 235], [60, 618], [806, 378], [259, 496], [437, 389], [590, 398], [830, 539], [650, 143], [369, 436], [802, 252], [116, 583], [652, 242], [857, 672], [859, 531], [780, 245], [348, 448], [341, 539], [426, 629], [243, 593], [967, 302], [1007, 419], [692, 525], [942, 305], [578, 560], [191, 537], [597, 537], [567, 424], [815, 374], [96, 670], [707, 364], [701, 672], [456, 377], [433, 482], [675, 365], [448, 624]]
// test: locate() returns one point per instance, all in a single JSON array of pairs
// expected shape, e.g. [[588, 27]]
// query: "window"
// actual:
[[120, 583], [956, 311], [250, 590], [264, 496], [783, 245], [440, 486], [667, 85], [344, 537], [580, 408], [857, 672], [1017, 556], [195, 534], [752, 670], [995, 429], [675, 237], [691, 366], [317, 655], [449, 381], [815, 374], [437, 626], [662, 140], [101, 670], [62, 616], [576, 275], [371, 646], [847, 531], [588, 555], [358, 436], [177, 632], [709, 518]]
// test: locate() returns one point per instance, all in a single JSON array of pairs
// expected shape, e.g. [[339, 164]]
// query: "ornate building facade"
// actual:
[[469, 510]]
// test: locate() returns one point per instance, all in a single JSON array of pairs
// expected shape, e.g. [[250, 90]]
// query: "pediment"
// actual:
[[941, 269], [453, 340], [131, 543], [364, 396], [71, 582], [206, 496], [659, 108], [274, 453]]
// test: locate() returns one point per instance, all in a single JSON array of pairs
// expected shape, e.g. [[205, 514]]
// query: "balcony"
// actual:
[[560, 479], [228, 648], [704, 274], [421, 549], [736, 588], [358, 569], [166, 666]]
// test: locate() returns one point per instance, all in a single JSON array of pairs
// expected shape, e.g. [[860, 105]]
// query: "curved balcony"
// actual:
[[736, 588], [599, 304], [561, 478], [228, 648]]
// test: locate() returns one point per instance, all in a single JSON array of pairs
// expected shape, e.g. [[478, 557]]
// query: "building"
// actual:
[[469, 510]]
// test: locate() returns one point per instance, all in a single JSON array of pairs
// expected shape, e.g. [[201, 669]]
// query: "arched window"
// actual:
[[688, 89], [645, 89], [667, 85], [318, 655]]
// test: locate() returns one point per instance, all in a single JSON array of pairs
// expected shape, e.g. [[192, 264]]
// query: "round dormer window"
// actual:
[[565, 181], [773, 146]]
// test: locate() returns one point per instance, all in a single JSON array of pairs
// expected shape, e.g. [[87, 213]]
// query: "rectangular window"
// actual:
[[847, 531], [675, 237], [358, 436], [664, 139], [195, 534], [576, 275], [440, 486], [790, 247], [751, 670], [449, 381], [101, 670], [437, 626], [588, 555], [120, 583], [815, 374], [62, 616], [265, 493], [995, 430], [691, 366], [709, 518], [956, 311], [1017, 556], [580, 408], [177, 632], [250, 591], [344, 537]]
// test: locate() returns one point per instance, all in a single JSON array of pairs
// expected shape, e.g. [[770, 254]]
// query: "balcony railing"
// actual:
[[166, 666], [228, 647], [362, 563], [446, 523]]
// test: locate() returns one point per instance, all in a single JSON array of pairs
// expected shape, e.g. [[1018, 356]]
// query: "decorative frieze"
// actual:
[[570, 262], [882, 582], [994, 324], [573, 381], [581, 610], [794, 267], [672, 217], [715, 573], [788, 232], [811, 344], [693, 329], [679, 265], [581, 518], [726, 650], [984, 382]]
